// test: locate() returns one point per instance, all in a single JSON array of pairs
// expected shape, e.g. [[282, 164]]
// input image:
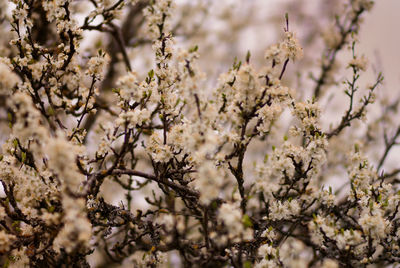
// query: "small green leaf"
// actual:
[[194, 49], [151, 74], [15, 224], [385, 203], [356, 148], [247, 264], [50, 111], [247, 221], [98, 44], [266, 158], [248, 55]]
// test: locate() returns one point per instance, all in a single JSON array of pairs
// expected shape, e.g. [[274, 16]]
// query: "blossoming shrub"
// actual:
[[103, 163]]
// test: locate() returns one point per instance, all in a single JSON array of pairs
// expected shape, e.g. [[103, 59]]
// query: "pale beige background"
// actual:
[[380, 40]]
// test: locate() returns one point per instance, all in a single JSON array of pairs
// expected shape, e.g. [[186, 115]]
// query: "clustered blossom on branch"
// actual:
[[230, 175]]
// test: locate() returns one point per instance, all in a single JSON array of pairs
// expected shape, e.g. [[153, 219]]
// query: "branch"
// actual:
[[326, 68], [179, 188]]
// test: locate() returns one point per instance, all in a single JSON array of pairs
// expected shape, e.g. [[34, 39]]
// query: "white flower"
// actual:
[[274, 53], [97, 64], [285, 210], [5, 241], [8, 79], [349, 238], [209, 181], [160, 152], [134, 118], [264, 263], [231, 215], [329, 263], [291, 47], [62, 158], [374, 224], [266, 250], [332, 37], [359, 63], [77, 230]]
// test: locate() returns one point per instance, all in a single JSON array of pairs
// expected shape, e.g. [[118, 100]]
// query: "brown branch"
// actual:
[[179, 188]]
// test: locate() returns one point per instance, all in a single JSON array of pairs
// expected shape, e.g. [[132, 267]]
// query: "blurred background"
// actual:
[[380, 39]]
